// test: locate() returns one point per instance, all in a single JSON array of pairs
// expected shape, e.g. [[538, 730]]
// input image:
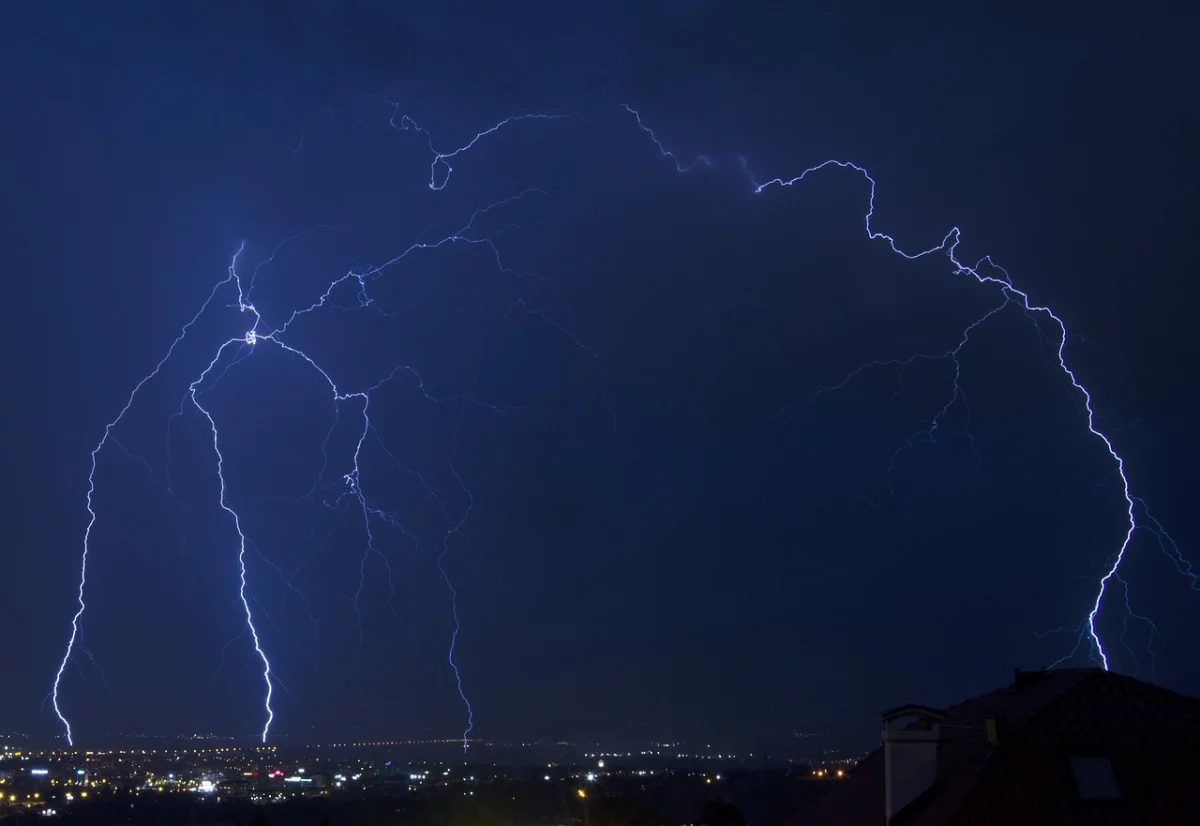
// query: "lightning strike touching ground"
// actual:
[[87, 533], [237, 524], [255, 338], [262, 334], [995, 275]]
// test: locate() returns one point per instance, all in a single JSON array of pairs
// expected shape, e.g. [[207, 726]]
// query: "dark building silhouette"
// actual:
[[1055, 748]]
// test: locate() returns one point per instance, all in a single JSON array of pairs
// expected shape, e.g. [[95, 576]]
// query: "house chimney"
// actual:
[[909, 754]]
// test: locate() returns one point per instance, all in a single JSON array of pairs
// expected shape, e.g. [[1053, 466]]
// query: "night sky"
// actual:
[[661, 539]]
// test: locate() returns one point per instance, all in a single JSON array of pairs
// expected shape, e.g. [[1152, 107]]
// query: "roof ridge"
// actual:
[[1069, 679]]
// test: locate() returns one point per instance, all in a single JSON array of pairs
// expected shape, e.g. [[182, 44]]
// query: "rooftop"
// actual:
[[1024, 772]]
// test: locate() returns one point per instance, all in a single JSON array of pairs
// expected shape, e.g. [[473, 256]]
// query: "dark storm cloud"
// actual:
[[775, 36], [348, 42], [477, 52], [367, 35]]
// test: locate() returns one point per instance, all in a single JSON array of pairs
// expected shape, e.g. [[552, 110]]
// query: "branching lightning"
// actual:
[[996, 276], [259, 334], [237, 524], [987, 273], [87, 533], [441, 160]]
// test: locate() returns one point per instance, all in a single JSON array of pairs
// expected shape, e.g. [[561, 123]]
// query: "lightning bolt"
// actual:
[[680, 166], [91, 489], [260, 334], [987, 273], [996, 276], [237, 524], [441, 160], [984, 271]]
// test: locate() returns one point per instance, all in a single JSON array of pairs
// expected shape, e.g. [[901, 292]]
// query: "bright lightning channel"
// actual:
[[237, 524], [87, 533], [254, 338], [998, 277], [440, 171]]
